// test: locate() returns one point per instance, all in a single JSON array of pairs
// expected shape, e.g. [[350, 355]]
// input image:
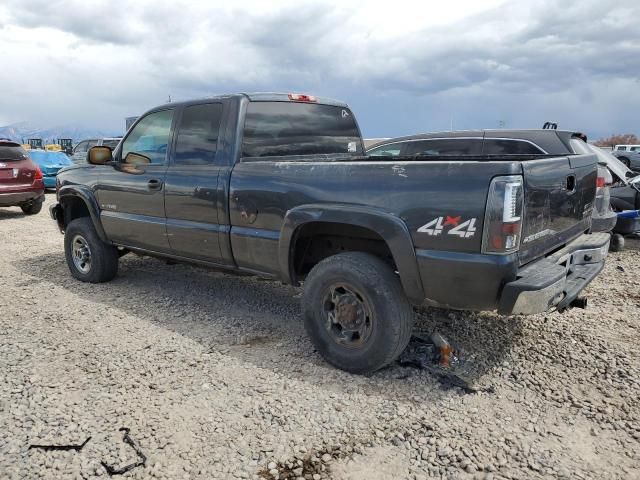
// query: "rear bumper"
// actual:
[[18, 198], [604, 223], [49, 181], [555, 281]]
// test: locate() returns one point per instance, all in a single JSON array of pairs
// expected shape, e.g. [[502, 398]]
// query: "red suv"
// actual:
[[21, 181]]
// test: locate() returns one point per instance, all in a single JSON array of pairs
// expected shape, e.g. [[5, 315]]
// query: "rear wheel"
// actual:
[[89, 259], [32, 208], [356, 313]]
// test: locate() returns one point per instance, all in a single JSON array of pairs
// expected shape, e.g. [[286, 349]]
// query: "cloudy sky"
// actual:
[[404, 67]]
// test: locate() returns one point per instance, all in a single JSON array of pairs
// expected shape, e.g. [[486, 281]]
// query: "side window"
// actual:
[[198, 134], [91, 144], [445, 146], [622, 149], [148, 141], [385, 151], [495, 146], [81, 147]]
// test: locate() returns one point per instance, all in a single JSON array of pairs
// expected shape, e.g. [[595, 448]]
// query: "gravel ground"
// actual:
[[214, 377]]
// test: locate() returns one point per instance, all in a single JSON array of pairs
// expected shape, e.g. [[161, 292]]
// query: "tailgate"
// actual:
[[15, 174], [559, 195]]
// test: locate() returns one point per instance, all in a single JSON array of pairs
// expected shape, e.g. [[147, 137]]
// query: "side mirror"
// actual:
[[99, 155]]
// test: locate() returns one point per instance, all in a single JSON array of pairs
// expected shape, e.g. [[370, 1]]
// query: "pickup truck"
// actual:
[[277, 185]]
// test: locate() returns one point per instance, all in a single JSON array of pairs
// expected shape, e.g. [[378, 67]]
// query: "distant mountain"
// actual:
[[22, 131]]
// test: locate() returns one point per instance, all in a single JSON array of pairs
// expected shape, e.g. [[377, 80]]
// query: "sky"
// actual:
[[404, 67]]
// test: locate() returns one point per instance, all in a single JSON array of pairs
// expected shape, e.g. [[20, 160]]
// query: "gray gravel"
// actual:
[[215, 378]]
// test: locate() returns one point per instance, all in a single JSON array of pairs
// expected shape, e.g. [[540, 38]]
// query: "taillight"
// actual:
[[298, 97], [600, 182], [503, 218], [38, 175]]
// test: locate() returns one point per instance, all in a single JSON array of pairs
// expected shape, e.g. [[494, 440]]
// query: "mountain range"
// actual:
[[22, 131]]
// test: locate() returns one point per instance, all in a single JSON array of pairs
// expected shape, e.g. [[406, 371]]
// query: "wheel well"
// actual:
[[315, 241], [73, 208]]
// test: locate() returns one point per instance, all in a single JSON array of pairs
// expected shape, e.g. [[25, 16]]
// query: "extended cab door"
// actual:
[[130, 190], [194, 197]]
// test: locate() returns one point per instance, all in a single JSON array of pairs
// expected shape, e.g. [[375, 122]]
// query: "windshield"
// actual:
[[113, 143], [292, 128]]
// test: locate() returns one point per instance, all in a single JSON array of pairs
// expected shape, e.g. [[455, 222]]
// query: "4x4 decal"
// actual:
[[437, 226]]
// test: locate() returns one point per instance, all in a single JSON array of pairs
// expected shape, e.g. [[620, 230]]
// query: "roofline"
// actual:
[[252, 97], [468, 133]]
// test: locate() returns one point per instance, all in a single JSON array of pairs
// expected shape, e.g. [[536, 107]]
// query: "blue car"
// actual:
[[50, 163]]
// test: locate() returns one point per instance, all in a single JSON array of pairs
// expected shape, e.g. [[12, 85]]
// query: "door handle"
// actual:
[[154, 184]]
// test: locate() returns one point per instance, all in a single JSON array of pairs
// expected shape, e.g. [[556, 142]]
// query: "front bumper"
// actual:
[[55, 211], [555, 281]]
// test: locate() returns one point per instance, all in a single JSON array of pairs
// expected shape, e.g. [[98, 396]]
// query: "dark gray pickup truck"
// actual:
[[278, 185]]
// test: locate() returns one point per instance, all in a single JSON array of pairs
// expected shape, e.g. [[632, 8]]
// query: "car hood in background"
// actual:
[[50, 160]]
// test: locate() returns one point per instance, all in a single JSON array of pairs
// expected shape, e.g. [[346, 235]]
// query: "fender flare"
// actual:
[[391, 228], [87, 196]]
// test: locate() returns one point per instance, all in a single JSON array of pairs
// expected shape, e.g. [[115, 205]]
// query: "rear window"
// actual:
[[509, 147], [110, 143], [444, 146], [290, 128], [11, 152]]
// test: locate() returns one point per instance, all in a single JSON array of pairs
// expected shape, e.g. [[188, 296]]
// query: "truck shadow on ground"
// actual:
[[8, 214], [258, 321]]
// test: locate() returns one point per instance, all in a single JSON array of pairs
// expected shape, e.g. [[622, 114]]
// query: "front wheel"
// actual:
[[89, 259], [356, 312], [626, 161]]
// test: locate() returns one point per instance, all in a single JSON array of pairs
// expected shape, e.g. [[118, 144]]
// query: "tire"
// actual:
[[617, 243], [32, 208], [102, 264], [626, 161], [356, 287]]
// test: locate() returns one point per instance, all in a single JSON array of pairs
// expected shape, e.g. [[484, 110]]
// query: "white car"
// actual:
[[80, 150], [629, 155]]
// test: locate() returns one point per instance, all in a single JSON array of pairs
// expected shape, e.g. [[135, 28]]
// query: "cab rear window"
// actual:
[[291, 128], [12, 152]]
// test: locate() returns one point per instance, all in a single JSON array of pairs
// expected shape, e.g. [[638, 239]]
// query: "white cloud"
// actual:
[[96, 62]]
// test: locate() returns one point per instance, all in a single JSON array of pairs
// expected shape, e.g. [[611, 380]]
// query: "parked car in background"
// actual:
[[507, 142], [21, 182], [625, 189], [79, 155], [276, 185], [50, 163], [629, 155]]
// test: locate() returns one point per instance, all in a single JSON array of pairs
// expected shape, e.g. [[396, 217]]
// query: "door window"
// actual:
[[197, 140], [147, 142], [385, 151], [494, 146], [445, 146]]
